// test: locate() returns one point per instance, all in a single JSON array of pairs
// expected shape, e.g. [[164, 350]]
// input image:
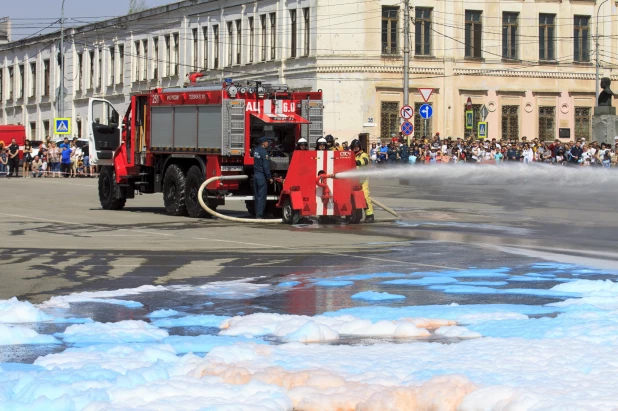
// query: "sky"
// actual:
[[30, 16]]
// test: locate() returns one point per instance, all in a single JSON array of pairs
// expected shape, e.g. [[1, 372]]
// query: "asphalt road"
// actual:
[[55, 238]]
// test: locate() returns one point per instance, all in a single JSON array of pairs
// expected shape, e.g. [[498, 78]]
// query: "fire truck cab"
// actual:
[[171, 140]]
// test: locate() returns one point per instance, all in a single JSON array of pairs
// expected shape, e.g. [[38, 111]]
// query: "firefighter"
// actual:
[[362, 160], [320, 145], [302, 144], [261, 176], [330, 143]]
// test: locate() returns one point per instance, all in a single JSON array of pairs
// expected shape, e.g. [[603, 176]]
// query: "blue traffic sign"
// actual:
[[62, 126], [407, 128], [426, 111]]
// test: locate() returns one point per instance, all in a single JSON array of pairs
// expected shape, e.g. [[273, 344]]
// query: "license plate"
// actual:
[[231, 168]]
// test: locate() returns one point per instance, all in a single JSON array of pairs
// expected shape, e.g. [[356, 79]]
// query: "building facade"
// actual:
[[531, 63]]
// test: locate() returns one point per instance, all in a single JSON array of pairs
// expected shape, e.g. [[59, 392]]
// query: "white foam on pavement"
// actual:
[[107, 297], [14, 335], [15, 311]]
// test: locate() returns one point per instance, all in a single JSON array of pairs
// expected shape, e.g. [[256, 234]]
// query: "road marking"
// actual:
[[46, 181], [347, 255]]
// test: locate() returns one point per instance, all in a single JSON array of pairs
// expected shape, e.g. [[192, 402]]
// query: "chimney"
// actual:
[[5, 30]]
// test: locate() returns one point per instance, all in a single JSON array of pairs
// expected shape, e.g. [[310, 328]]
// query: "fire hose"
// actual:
[[225, 217], [269, 221]]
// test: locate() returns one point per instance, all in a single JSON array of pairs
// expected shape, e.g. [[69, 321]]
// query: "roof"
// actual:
[[112, 23]]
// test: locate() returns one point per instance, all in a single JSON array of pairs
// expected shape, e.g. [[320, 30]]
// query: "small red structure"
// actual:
[[312, 188]]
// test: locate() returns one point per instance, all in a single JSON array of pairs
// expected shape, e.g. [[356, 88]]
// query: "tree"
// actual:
[[136, 6]]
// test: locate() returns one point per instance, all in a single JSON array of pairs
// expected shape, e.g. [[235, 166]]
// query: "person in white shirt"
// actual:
[[528, 154]]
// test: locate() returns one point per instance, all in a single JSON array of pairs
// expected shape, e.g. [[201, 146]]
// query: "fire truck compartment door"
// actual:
[[280, 118], [233, 127], [103, 131]]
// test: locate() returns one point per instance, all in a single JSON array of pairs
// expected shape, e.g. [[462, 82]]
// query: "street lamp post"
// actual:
[[61, 88], [597, 52]]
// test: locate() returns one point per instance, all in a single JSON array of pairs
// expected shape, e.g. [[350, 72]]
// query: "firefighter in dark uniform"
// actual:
[[363, 160], [261, 176], [330, 143]]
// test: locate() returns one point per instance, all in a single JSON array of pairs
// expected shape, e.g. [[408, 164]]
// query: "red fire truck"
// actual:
[[171, 140], [10, 132]]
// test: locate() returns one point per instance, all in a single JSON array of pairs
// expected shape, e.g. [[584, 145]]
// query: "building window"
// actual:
[[46, 78], [264, 42], [581, 39], [583, 123], [422, 127], [112, 66], [195, 49], [546, 36], [273, 36], [230, 43], [215, 33], [474, 30], [21, 81], [168, 57], [205, 51], [293, 33], [389, 118], [80, 69], [99, 68], [238, 41], [509, 35], [46, 127], [510, 123], [390, 20], [547, 123], [476, 117], [422, 32], [32, 90], [11, 82], [33, 130], [138, 61], [176, 55], [121, 64], [251, 39], [91, 77], [145, 60], [307, 30], [155, 60]]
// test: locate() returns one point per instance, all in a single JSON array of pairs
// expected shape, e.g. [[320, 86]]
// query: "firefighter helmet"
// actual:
[[330, 140], [355, 143], [320, 141], [302, 142]]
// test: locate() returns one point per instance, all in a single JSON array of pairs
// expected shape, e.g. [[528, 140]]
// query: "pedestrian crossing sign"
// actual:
[[62, 126], [482, 129]]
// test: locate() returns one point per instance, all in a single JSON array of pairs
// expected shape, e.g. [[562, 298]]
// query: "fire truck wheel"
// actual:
[[356, 217], [195, 178], [289, 215], [107, 190], [174, 185]]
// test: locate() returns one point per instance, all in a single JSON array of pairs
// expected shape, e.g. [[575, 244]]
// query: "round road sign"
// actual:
[[407, 128], [406, 112]]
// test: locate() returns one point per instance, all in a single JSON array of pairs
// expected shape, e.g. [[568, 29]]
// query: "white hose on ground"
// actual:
[[388, 210], [225, 217]]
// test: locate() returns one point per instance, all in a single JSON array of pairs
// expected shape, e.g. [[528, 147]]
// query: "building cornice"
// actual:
[[561, 75], [379, 69]]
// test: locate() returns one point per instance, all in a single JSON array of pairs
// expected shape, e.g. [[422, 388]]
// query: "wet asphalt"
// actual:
[[62, 243]]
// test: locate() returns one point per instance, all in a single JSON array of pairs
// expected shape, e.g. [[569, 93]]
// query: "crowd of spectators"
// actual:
[[491, 151], [50, 159]]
